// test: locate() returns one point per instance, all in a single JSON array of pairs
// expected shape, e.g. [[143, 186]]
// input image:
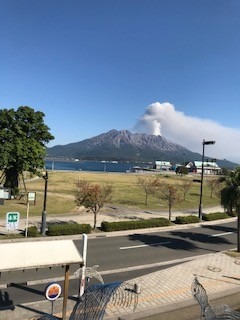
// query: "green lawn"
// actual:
[[62, 188]]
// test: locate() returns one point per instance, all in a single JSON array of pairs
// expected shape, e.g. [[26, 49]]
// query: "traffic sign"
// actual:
[[12, 220], [53, 291], [32, 197]]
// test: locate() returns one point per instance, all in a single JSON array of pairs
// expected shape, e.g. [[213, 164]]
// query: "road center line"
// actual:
[[221, 234], [144, 245]]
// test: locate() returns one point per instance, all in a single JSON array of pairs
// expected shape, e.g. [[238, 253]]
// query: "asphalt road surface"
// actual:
[[125, 257]]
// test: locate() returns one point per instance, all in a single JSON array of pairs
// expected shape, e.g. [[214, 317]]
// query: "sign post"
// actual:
[[12, 220], [52, 292], [27, 218], [31, 197]]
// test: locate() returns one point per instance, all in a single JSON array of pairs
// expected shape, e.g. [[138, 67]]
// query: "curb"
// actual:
[[122, 233]]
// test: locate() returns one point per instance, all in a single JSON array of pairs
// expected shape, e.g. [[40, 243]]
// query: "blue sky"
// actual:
[[169, 67]]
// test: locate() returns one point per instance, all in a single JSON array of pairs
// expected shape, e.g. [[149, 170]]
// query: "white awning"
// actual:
[[38, 254]]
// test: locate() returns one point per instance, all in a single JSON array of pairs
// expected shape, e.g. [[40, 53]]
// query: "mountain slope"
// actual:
[[123, 146], [126, 146]]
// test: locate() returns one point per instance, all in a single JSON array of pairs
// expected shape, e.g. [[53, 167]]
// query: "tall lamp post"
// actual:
[[44, 213], [201, 188]]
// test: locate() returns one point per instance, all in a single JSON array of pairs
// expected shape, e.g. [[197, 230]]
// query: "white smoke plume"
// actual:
[[163, 119]]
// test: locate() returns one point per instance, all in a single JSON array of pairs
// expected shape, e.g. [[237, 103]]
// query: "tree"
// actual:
[[169, 194], [230, 197], [23, 136], [93, 196], [149, 186], [213, 184], [225, 171], [185, 187], [182, 170]]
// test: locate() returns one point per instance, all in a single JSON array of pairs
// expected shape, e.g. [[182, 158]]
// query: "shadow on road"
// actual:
[[26, 288], [160, 241], [181, 240], [221, 228], [42, 315], [200, 237]]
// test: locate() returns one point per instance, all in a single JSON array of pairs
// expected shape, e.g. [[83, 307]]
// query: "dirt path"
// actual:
[[112, 213]]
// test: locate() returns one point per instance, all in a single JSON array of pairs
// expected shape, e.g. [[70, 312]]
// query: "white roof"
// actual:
[[166, 163], [207, 164], [38, 254]]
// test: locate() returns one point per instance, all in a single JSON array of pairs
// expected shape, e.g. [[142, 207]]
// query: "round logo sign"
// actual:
[[53, 291]]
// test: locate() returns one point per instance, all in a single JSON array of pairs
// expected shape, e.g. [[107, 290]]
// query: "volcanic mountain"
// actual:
[[123, 146]]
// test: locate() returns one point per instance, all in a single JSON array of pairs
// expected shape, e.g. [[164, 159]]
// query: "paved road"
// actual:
[[126, 257], [148, 248]]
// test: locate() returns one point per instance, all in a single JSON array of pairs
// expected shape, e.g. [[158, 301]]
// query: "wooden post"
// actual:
[[65, 295], [27, 218]]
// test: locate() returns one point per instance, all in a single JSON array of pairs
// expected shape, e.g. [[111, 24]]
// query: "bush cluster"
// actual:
[[60, 229], [215, 216], [32, 231], [186, 219], [134, 224]]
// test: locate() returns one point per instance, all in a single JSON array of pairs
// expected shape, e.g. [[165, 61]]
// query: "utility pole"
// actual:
[[44, 212], [201, 187]]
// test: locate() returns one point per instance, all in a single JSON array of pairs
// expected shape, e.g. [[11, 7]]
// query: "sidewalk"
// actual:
[[109, 214], [161, 293], [170, 289], [164, 295]]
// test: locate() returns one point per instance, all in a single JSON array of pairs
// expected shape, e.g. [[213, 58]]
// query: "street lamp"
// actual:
[[44, 213], [201, 188], [184, 158]]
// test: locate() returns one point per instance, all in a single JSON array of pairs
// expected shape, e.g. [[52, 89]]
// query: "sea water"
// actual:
[[104, 166]]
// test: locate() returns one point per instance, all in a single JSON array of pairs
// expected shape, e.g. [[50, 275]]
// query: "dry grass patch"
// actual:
[[62, 188]]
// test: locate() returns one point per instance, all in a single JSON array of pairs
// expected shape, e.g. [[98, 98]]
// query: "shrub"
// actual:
[[59, 229], [186, 219], [15, 191], [32, 231], [231, 214], [134, 224], [215, 216]]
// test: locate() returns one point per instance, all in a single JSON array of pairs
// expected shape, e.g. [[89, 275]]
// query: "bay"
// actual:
[[92, 166]]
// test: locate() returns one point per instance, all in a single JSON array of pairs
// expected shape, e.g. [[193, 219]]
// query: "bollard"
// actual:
[[137, 288]]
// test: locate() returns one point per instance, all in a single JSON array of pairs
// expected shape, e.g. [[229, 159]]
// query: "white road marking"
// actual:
[[221, 234], [144, 245]]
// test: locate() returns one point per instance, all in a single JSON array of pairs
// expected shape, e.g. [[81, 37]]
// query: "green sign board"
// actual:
[[12, 220]]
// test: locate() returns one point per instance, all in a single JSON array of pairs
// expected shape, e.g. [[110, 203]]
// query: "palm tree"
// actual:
[[230, 197]]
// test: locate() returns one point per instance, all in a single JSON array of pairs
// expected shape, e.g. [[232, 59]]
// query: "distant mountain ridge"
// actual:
[[125, 146]]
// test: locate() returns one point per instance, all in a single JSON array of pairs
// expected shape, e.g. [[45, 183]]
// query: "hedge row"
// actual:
[[205, 217], [32, 231], [59, 229], [215, 216], [186, 219], [136, 224]]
